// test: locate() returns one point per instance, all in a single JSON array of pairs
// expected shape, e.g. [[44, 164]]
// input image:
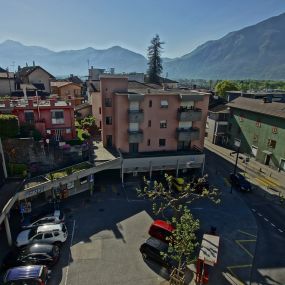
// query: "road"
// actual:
[[269, 257]]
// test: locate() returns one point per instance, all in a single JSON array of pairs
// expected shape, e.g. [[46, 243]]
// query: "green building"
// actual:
[[260, 125]]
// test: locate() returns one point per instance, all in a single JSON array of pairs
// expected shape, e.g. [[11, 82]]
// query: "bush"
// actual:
[[74, 142], [26, 130], [17, 169], [86, 135], [37, 135], [9, 126]]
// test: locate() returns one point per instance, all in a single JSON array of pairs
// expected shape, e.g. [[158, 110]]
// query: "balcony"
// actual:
[[136, 116], [187, 135], [189, 114], [135, 136]]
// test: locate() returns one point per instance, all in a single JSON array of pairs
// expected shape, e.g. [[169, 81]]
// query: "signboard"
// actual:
[[237, 142], [70, 185], [33, 192]]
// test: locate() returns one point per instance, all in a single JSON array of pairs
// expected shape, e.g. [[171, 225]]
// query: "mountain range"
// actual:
[[254, 52]]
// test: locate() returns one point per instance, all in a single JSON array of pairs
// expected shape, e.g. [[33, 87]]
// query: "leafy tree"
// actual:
[[225, 85], [9, 126], [182, 242], [154, 60], [163, 197]]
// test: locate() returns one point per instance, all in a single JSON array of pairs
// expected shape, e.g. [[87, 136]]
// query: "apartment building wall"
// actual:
[[39, 76]]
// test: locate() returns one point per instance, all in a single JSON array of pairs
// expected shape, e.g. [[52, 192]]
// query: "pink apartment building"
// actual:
[[53, 119], [152, 129]]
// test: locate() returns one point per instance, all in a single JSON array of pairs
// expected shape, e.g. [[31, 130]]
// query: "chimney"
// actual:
[[19, 67]]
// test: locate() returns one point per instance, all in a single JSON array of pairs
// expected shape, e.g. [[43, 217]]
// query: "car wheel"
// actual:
[[57, 243]]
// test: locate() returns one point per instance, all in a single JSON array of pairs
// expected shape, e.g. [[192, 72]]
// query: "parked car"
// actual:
[[38, 253], [178, 184], [152, 249], [44, 217], [27, 275], [160, 230], [55, 234], [240, 182]]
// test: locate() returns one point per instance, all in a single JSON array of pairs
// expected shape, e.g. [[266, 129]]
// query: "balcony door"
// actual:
[[133, 147]]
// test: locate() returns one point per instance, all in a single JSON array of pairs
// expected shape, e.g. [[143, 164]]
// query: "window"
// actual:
[[68, 131], [29, 117], [108, 102], [108, 120], [56, 234], [148, 142], [100, 110], [83, 180], [163, 104], [150, 103], [161, 142], [258, 124], [149, 123], [38, 237], [274, 130], [100, 125], [163, 124], [57, 117], [271, 143], [48, 235]]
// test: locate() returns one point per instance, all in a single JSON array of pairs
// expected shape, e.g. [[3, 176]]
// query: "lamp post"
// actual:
[[237, 143]]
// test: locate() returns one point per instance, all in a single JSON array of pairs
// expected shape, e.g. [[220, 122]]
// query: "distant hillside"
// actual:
[[256, 52], [71, 61]]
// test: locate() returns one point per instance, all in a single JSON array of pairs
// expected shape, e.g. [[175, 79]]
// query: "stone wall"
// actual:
[[39, 157]]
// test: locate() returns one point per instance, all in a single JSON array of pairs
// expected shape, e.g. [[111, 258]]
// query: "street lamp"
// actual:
[[237, 143]]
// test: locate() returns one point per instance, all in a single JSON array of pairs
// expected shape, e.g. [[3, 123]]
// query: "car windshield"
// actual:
[[241, 177], [32, 233]]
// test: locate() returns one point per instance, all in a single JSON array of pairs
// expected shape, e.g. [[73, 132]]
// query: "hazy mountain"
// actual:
[[71, 61], [256, 52]]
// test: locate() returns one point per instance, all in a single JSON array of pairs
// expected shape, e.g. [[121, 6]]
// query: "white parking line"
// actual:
[[273, 225], [280, 230], [253, 210], [71, 241], [260, 215], [266, 219]]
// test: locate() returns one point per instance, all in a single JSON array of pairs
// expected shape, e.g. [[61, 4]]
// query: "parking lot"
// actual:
[[105, 233]]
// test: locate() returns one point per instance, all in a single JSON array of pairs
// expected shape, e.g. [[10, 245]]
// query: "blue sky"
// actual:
[[182, 24]]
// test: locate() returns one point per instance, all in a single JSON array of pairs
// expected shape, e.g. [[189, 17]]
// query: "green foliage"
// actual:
[[9, 126], [86, 135], [37, 135], [164, 197], [225, 85], [154, 60], [26, 130], [182, 242], [75, 142], [17, 169]]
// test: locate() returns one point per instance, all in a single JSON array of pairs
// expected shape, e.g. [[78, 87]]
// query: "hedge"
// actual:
[[17, 169], [9, 126]]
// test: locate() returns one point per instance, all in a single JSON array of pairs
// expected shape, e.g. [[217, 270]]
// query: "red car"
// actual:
[[160, 229]]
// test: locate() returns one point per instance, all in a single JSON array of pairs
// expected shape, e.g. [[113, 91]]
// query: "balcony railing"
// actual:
[[135, 116], [135, 136], [189, 114], [187, 134]]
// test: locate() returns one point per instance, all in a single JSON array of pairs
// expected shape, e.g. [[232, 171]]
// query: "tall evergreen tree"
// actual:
[[154, 60]]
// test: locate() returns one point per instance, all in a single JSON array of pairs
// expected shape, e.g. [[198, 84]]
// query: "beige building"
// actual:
[[67, 90], [35, 75], [7, 82]]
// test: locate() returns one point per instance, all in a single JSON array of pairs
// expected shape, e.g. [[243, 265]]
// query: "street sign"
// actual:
[[237, 143]]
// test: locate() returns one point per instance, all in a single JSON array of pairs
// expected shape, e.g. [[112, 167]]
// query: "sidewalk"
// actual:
[[272, 181]]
